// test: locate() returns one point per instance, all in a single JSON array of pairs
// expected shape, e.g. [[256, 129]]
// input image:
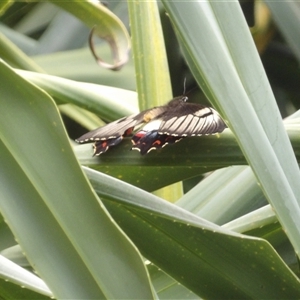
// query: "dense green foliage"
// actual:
[[75, 226]]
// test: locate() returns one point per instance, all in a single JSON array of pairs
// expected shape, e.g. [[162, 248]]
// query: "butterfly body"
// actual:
[[164, 125]]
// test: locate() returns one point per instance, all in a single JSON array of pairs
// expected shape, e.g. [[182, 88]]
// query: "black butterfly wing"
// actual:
[[190, 119], [103, 145], [113, 133], [111, 130]]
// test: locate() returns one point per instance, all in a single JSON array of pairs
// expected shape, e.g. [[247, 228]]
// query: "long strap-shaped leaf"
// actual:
[[151, 65], [239, 88], [65, 232], [211, 261]]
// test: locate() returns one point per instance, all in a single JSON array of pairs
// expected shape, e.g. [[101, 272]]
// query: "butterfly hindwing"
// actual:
[[145, 141], [103, 145]]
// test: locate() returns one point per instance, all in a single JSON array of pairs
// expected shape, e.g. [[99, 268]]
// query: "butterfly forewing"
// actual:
[[120, 127], [191, 119], [111, 130]]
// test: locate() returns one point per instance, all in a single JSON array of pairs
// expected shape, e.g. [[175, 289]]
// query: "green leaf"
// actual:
[[4, 5], [102, 100], [79, 65], [224, 195], [210, 254], [9, 290], [16, 57], [285, 15], [150, 58], [25, 279], [260, 131], [47, 201], [188, 158], [151, 65]]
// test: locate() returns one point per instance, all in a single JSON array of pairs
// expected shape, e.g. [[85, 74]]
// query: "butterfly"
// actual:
[[165, 125]]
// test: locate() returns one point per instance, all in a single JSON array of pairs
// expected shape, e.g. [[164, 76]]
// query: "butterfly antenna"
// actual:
[[184, 86], [185, 93], [191, 90]]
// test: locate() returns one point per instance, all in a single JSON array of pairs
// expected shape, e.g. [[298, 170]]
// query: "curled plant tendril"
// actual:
[[118, 64]]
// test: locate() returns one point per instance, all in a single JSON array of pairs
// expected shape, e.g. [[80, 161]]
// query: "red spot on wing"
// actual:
[[128, 131], [157, 142]]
